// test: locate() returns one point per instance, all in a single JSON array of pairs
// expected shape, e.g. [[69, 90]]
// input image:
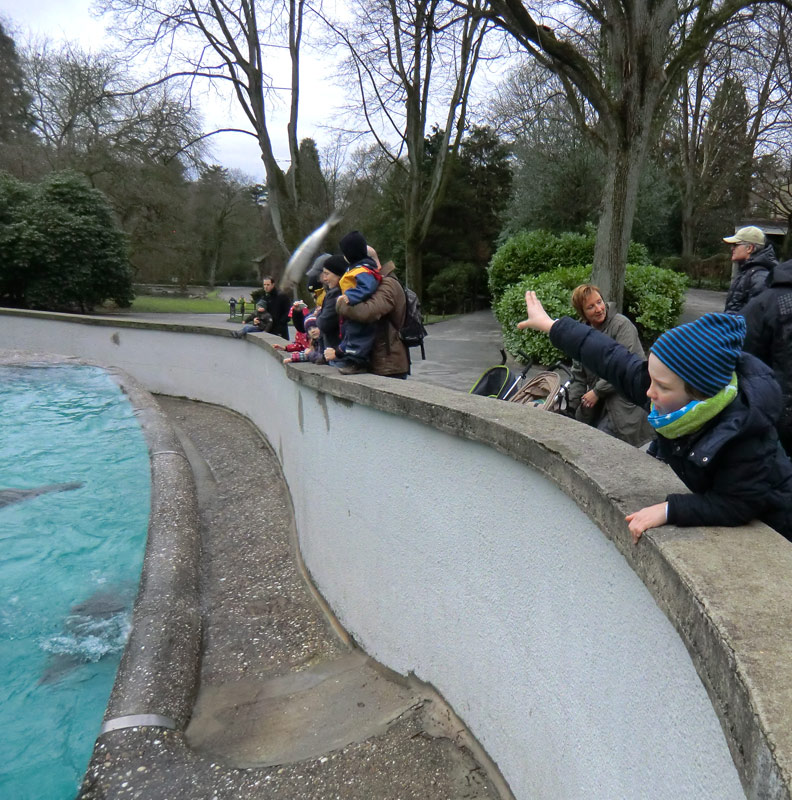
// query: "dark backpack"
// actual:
[[412, 333]]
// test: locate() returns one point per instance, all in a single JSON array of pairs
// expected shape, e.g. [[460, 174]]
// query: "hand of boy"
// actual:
[[538, 318], [649, 517]]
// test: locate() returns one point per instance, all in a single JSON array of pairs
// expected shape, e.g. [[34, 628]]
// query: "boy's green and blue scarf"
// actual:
[[691, 417]]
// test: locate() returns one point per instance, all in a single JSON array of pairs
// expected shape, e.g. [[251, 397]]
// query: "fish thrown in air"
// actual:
[[303, 256]]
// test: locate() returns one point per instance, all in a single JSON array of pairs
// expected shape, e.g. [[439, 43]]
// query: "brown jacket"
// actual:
[[386, 307]]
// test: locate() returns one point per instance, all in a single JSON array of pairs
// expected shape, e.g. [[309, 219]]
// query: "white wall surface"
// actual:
[[448, 559]]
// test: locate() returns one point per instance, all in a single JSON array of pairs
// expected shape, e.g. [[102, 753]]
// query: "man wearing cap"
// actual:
[[755, 260]]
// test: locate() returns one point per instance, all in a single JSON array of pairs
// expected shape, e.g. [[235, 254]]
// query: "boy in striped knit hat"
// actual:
[[714, 409]]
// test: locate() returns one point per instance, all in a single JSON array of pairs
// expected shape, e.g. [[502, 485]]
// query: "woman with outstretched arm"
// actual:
[[713, 407]]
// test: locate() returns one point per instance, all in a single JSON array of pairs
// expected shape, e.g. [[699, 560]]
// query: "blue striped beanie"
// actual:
[[703, 353]]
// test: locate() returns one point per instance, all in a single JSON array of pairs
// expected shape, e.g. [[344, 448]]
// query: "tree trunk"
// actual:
[[689, 218], [688, 230], [619, 199], [213, 267], [414, 266]]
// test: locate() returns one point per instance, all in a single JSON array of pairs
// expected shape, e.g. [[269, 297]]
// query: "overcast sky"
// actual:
[[72, 20]]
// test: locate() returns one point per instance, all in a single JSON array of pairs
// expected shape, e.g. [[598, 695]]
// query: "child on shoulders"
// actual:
[[361, 279]]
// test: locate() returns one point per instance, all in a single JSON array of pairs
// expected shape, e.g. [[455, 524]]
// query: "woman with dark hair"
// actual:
[[592, 399]]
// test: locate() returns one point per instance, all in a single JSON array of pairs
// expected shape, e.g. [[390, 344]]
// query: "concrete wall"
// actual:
[[482, 547]]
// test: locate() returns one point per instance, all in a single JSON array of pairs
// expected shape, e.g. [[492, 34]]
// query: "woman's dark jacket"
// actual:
[[328, 321], [768, 318], [734, 464], [751, 279]]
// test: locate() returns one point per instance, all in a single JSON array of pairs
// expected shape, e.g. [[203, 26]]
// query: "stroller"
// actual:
[[545, 390], [499, 381]]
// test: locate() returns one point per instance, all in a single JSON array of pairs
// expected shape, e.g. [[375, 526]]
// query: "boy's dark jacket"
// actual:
[[734, 465]]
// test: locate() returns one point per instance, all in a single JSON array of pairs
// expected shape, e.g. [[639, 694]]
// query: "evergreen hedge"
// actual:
[[536, 252]]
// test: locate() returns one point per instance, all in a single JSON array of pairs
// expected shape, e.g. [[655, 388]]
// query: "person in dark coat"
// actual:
[[358, 284], [768, 318], [714, 409], [327, 317], [277, 304], [260, 322], [755, 260]]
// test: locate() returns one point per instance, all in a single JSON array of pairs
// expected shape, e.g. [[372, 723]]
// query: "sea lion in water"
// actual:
[[10, 496], [94, 628]]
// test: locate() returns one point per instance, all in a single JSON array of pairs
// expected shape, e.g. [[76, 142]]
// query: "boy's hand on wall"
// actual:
[[649, 517]]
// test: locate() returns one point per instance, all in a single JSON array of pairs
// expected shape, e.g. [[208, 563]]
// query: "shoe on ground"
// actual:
[[353, 369]]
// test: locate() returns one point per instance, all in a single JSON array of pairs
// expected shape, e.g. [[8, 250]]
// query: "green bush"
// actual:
[[653, 300], [536, 252], [60, 247]]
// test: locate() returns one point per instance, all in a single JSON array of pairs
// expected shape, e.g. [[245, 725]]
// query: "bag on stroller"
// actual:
[[543, 391]]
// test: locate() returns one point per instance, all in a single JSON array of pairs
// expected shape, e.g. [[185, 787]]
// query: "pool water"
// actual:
[[69, 569]]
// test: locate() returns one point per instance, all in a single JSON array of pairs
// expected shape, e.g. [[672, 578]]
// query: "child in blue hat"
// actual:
[[714, 409]]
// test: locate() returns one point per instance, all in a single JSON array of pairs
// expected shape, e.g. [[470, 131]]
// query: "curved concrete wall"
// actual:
[[483, 548]]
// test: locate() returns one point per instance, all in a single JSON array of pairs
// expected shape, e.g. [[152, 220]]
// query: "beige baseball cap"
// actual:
[[748, 235]]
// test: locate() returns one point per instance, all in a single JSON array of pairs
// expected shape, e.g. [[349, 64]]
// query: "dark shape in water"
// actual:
[[86, 621], [10, 496], [100, 605]]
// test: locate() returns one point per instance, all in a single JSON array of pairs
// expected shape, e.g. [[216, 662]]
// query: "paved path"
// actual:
[[701, 301], [458, 350]]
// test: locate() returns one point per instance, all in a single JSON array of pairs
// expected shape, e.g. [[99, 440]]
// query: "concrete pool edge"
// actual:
[[157, 678], [158, 675]]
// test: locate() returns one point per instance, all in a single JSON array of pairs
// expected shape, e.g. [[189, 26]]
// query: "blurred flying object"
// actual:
[[302, 257]]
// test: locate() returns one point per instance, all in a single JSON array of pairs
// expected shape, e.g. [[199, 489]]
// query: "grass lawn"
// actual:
[[431, 318], [185, 305]]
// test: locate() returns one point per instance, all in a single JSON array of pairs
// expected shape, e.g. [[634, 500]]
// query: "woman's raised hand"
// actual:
[[538, 318]]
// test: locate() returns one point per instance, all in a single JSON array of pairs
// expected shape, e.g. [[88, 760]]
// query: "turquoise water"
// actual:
[[69, 567]]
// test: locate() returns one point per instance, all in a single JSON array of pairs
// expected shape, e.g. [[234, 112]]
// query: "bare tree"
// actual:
[[411, 59], [228, 41], [624, 61], [87, 115], [732, 105]]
